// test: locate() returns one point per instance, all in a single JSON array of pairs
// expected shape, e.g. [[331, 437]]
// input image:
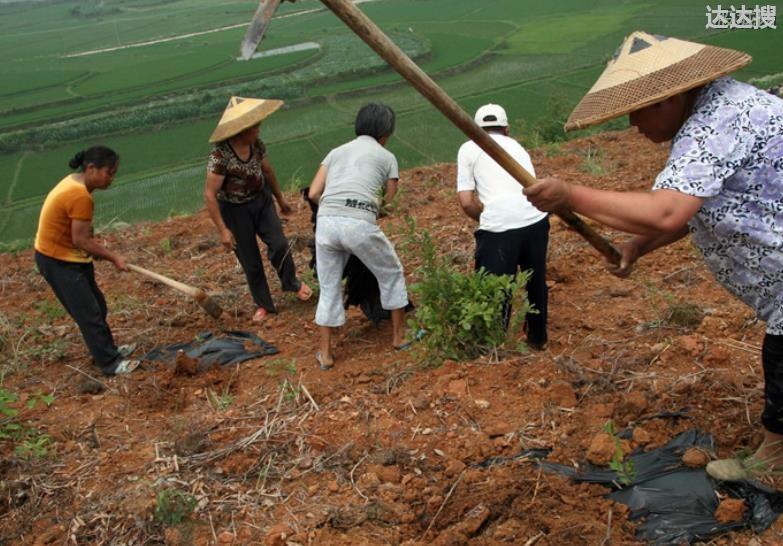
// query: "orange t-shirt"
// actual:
[[69, 200]]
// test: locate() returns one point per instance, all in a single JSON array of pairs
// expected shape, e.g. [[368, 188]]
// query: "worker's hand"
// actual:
[[629, 253], [227, 239], [119, 263], [285, 208], [549, 194]]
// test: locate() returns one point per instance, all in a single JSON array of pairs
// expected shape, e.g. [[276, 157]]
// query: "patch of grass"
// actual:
[[50, 310], [281, 365]]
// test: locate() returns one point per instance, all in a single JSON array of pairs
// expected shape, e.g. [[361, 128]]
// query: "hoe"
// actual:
[[388, 50]]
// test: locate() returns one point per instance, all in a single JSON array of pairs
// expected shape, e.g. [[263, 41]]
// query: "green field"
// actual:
[[156, 103]]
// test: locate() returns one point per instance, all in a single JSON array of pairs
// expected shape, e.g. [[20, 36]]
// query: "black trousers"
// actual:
[[507, 252], [259, 218], [772, 361], [75, 287]]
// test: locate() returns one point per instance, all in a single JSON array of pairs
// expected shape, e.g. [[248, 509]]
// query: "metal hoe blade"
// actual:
[[257, 29]]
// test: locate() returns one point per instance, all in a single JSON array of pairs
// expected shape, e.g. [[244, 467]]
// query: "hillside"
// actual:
[[380, 450]]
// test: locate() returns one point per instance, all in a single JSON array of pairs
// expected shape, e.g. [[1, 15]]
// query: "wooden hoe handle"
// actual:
[[182, 287], [388, 50]]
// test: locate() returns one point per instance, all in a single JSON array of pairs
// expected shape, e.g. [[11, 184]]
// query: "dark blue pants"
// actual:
[[506, 253], [259, 218], [772, 360], [75, 287]]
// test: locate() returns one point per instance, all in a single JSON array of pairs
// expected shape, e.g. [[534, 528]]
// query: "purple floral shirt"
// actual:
[[730, 152]]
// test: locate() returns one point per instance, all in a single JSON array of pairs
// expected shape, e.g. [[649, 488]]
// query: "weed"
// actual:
[[684, 315], [173, 506], [165, 245], [50, 310], [290, 391], [624, 468], [593, 162], [33, 445], [220, 401], [39, 397], [308, 277], [6, 332], [553, 149], [29, 442], [281, 365]]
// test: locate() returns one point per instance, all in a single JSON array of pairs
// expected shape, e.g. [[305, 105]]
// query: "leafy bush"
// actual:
[[462, 314]]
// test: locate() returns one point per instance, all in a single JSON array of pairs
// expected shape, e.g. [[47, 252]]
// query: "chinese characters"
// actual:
[[758, 17]]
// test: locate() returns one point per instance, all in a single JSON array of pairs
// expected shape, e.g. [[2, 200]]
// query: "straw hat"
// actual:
[[242, 113], [648, 69]]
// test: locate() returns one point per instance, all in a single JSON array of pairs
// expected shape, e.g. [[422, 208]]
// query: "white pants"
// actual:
[[336, 238]]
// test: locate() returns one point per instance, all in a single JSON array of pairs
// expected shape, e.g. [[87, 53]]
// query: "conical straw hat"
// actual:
[[242, 113], [648, 69]]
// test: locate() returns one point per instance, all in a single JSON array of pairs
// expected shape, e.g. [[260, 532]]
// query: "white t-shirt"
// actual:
[[355, 174], [505, 206]]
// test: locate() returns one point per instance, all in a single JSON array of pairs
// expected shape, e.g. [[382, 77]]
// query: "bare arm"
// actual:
[[317, 185], [636, 247], [82, 238], [271, 179], [641, 213], [211, 187], [470, 205], [389, 193]]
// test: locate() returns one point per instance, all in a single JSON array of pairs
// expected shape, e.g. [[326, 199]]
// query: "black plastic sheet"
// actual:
[[230, 347], [674, 503]]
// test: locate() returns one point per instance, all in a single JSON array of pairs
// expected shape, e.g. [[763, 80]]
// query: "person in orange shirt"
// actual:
[[65, 247]]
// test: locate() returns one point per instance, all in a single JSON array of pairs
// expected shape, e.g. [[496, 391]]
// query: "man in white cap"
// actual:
[[723, 182], [512, 235]]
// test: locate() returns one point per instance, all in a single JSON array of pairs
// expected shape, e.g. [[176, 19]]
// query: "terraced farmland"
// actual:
[[152, 76]]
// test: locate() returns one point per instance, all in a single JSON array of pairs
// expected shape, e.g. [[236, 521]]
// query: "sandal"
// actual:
[[125, 366], [304, 293], [323, 365], [734, 470], [260, 315]]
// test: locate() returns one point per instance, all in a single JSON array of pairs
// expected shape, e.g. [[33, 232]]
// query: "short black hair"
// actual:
[[376, 120], [100, 156]]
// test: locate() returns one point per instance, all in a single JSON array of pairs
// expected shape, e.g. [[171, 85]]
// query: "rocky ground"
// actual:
[[380, 450]]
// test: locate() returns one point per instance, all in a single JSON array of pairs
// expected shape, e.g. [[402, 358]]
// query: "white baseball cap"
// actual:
[[491, 115]]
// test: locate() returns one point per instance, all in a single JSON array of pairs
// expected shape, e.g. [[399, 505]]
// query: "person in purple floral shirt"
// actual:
[[722, 183]]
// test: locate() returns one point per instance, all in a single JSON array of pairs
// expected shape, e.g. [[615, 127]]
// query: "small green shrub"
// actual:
[[462, 314], [626, 473], [173, 506]]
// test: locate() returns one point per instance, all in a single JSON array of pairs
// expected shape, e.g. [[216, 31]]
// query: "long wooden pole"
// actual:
[[388, 50]]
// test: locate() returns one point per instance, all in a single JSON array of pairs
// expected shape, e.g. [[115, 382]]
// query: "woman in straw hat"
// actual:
[[723, 182], [239, 193]]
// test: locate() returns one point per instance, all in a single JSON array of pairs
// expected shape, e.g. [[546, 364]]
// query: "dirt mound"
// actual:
[[378, 450]]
